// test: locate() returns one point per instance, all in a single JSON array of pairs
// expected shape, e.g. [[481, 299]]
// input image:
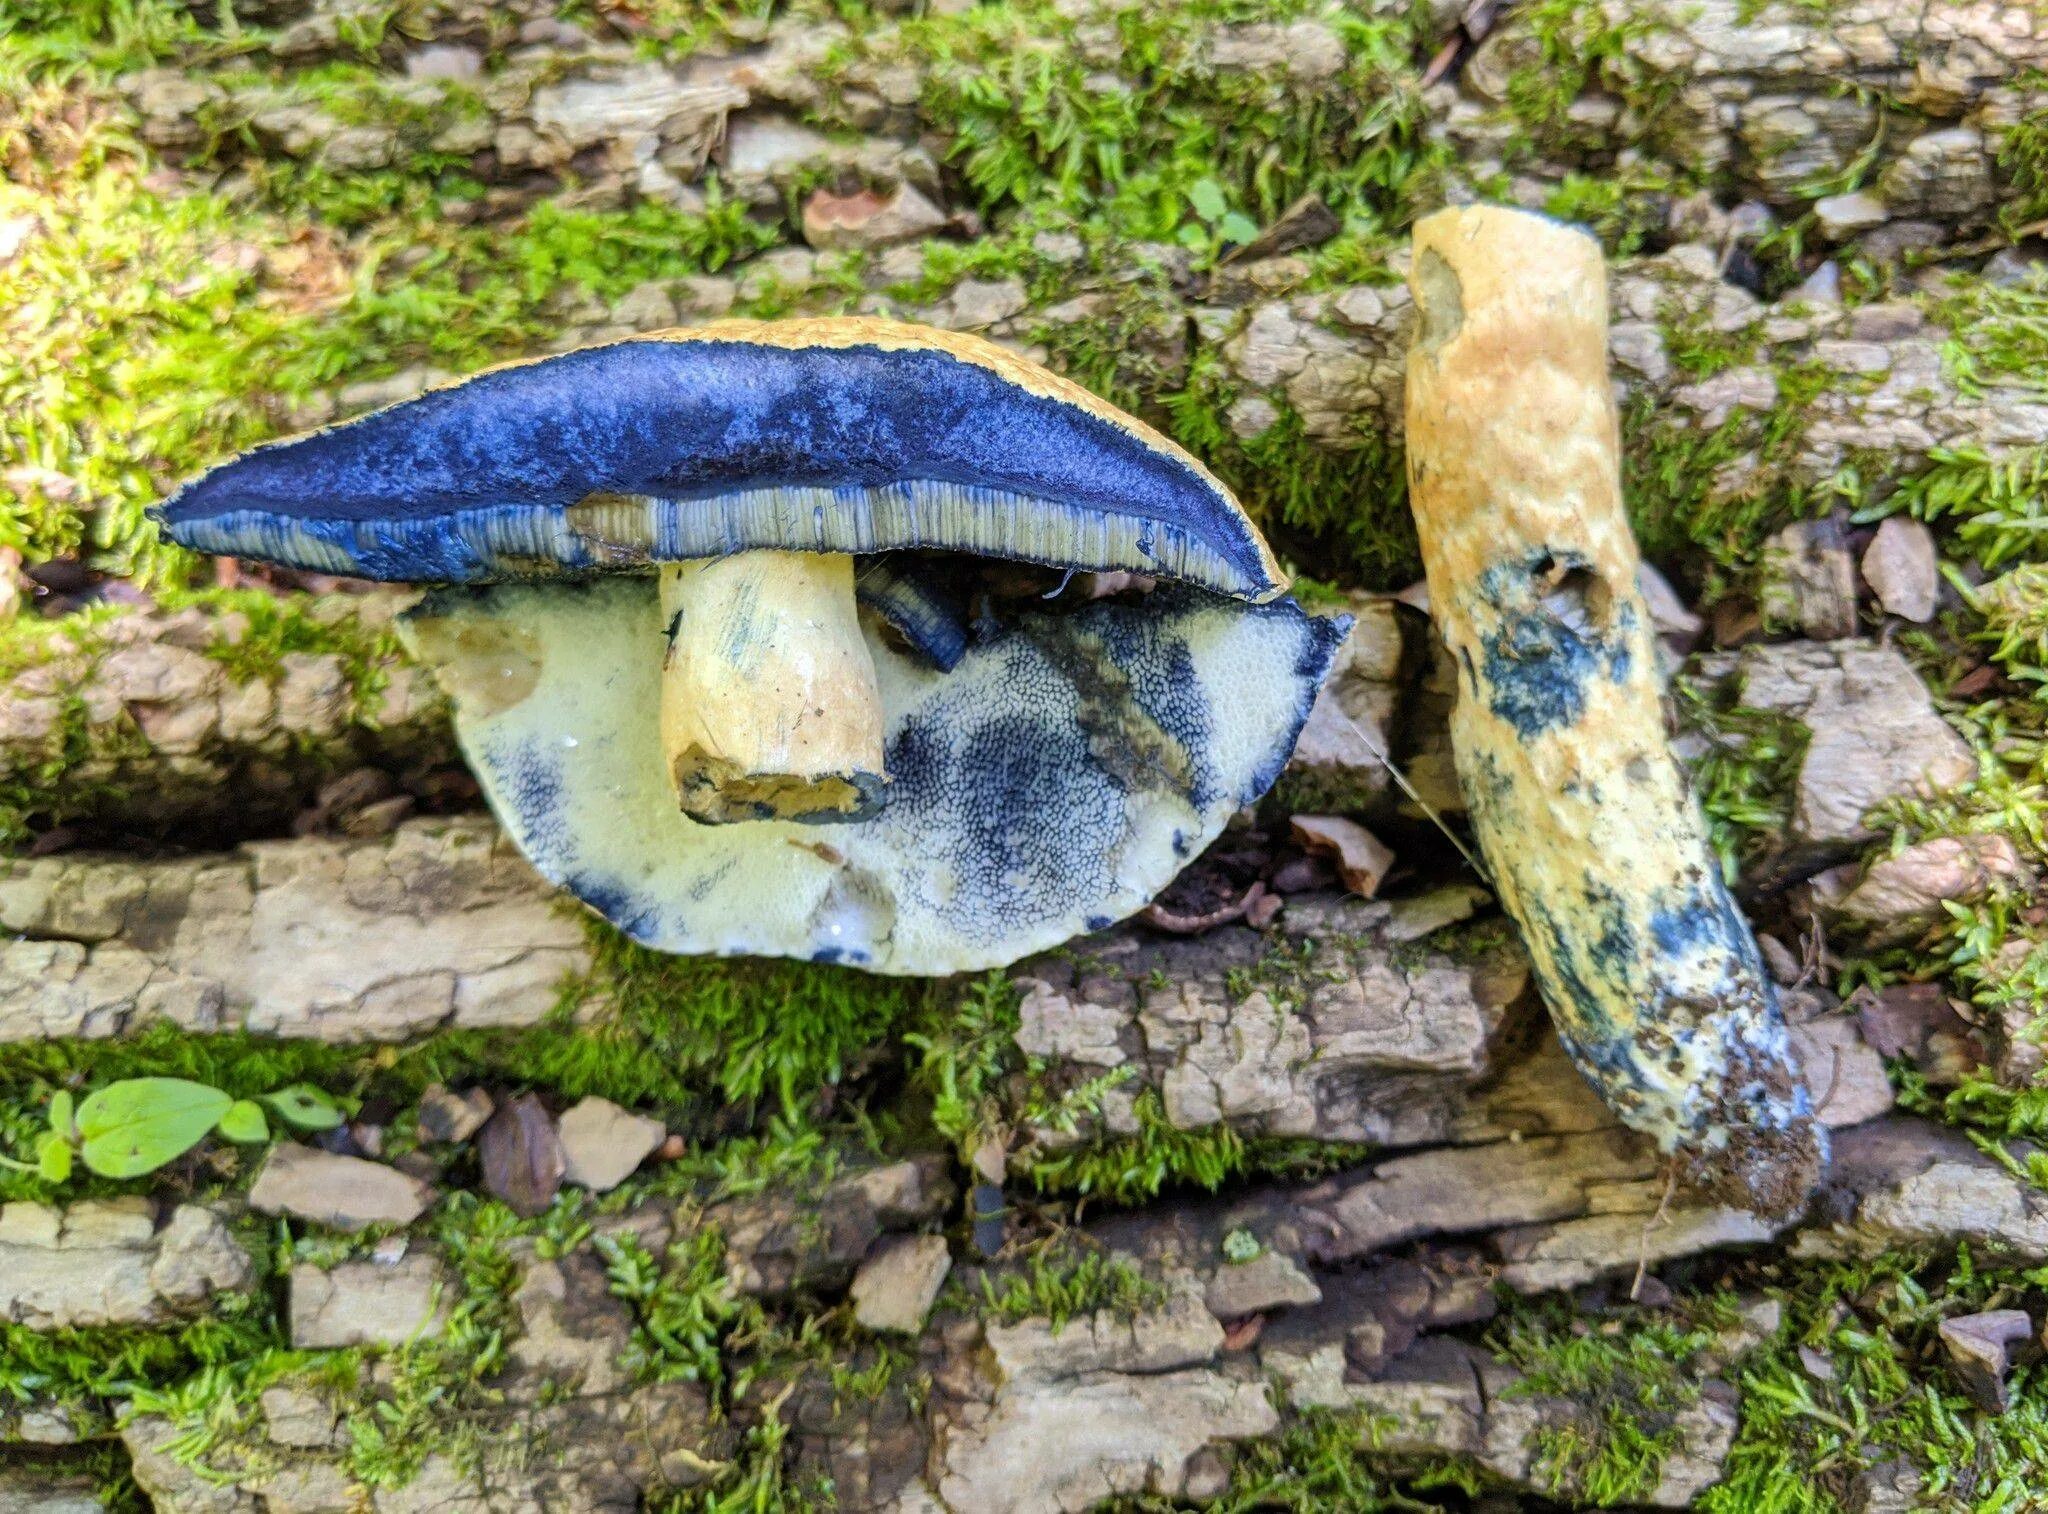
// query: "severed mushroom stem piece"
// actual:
[[1592, 836], [769, 709]]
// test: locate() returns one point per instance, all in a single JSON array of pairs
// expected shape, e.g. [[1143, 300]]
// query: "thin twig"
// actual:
[[1401, 779], [1635, 1287]]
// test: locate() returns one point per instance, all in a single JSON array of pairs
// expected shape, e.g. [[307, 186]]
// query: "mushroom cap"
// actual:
[[836, 434], [1051, 783]]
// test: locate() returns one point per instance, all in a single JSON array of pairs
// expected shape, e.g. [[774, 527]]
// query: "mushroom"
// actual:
[[1595, 842], [709, 620]]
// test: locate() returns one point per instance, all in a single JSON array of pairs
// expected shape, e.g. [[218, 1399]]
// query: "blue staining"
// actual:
[[463, 483]]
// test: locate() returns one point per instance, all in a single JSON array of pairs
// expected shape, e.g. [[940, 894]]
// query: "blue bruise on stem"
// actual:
[[928, 610], [653, 450], [1539, 661]]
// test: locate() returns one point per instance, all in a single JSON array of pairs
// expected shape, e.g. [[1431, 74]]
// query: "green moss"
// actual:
[[142, 355], [1133, 1168], [89, 1373], [609, 252], [1321, 1460], [1343, 510], [1699, 351], [1997, 333], [1745, 779], [961, 1060], [1719, 494], [1033, 122], [752, 1030], [683, 1305], [2023, 159], [1879, 1396], [1626, 1383], [702, 1043], [270, 627], [1059, 1279], [1568, 50], [1131, 348], [1623, 211], [1993, 503]]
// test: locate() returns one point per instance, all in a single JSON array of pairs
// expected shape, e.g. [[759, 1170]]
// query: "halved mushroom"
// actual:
[[792, 650]]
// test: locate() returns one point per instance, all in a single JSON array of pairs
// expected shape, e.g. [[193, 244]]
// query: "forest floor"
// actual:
[[510, 1214]]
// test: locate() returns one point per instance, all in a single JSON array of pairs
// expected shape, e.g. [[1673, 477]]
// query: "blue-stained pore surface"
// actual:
[[1054, 781], [703, 447]]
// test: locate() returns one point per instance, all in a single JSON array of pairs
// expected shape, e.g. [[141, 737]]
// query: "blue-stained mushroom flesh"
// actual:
[[831, 436]]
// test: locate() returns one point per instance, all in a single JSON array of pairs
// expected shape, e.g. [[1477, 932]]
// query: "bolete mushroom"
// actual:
[[720, 657], [1595, 842]]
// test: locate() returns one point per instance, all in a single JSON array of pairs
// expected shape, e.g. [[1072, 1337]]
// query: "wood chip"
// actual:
[[1362, 859], [522, 1156]]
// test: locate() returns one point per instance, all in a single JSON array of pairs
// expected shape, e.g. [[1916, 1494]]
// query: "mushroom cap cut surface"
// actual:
[[840, 434], [1051, 783]]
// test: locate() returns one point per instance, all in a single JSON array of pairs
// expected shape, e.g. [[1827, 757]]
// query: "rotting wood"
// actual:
[[1595, 844]]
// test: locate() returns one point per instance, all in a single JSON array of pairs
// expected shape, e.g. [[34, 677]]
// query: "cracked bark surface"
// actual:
[[147, 724], [1364, 1294], [439, 924], [1349, 1312], [1748, 97]]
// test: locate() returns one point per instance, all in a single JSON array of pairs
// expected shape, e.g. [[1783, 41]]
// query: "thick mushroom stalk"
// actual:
[[769, 709], [1593, 839]]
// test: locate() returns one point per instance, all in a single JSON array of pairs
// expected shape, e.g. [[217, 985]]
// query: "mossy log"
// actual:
[[1149, 1352], [1593, 840], [155, 722], [215, 719]]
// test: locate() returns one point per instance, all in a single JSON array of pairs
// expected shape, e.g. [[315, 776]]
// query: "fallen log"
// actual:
[[994, 1405], [440, 924], [197, 723]]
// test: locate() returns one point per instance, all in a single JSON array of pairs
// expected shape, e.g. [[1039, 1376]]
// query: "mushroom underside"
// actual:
[[1051, 783]]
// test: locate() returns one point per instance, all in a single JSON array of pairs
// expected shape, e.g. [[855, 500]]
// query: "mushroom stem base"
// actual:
[[769, 709]]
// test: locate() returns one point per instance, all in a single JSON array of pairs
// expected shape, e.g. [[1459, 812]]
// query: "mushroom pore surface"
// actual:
[[1051, 783]]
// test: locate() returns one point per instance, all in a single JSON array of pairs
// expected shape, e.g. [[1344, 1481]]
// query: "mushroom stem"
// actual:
[[1593, 839], [769, 709]]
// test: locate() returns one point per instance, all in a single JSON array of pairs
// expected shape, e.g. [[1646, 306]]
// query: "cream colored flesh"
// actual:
[[768, 702]]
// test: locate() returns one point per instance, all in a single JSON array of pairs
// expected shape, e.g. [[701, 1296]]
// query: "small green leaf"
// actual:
[[53, 1158], [1237, 227], [244, 1122], [1207, 199], [1241, 1246], [136, 1126], [60, 1114], [305, 1107]]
